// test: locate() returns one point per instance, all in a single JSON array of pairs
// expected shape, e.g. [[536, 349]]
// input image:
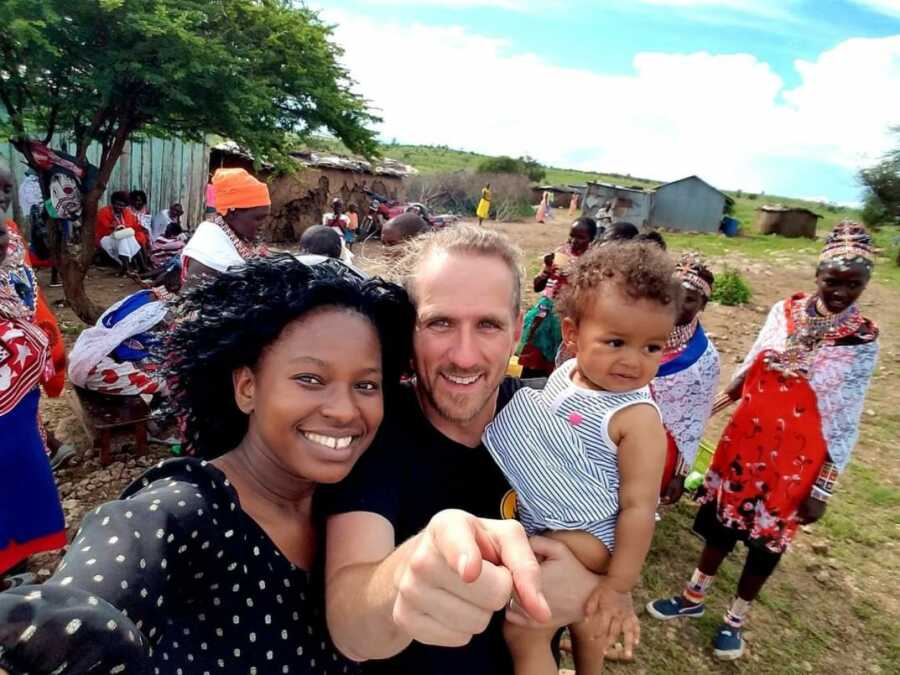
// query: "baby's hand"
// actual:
[[612, 613]]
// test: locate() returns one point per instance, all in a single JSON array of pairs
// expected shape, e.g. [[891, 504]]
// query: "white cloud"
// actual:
[[725, 117], [889, 7]]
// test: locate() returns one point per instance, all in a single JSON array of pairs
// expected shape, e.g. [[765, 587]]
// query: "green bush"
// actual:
[[525, 166], [731, 289]]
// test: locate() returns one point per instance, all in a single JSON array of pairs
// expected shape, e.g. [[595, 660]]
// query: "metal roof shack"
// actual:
[[689, 204], [615, 203]]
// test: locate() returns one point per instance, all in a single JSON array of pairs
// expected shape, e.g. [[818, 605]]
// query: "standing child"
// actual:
[[585, 455], [352, 225], [685, 386], [541, 330], [802, 388]]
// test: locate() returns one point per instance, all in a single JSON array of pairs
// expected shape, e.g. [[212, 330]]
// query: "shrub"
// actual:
[[731, 289], [460, 191], [525, 166]]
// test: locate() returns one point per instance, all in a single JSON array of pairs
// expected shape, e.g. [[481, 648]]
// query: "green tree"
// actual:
[[524, 166], [502, 164], [882, 189], [258, 72]]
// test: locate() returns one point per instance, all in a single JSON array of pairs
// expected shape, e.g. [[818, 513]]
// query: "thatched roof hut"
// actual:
[[299, 199]]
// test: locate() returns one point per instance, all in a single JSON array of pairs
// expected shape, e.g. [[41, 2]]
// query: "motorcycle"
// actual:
[[382, 209]]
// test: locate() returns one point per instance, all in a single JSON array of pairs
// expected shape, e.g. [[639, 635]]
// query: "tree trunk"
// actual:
[[76, 258], [72, 276]]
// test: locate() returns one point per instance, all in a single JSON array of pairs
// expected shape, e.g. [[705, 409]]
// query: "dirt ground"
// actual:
[[832, 606]]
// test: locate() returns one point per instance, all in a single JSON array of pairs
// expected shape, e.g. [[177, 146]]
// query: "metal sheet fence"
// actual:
[[168, 170]]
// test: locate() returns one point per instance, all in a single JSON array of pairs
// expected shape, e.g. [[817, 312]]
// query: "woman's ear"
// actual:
[[244, 382], [570, 335]]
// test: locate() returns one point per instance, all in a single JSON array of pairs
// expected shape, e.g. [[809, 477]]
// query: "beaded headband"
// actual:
[[848, 242], [688, 271]]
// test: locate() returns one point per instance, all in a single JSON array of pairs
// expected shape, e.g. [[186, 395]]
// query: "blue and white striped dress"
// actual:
[[555, 450]]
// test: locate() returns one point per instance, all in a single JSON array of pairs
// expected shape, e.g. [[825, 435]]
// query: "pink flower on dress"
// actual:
[[575, 419]]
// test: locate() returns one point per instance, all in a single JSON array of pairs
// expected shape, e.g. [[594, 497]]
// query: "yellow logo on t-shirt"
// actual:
[[508, 505]]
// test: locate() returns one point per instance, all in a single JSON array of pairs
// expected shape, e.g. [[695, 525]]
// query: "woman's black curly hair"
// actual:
[[229, 321]]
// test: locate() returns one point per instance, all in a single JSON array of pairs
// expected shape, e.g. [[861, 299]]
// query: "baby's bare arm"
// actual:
[[641, 440]]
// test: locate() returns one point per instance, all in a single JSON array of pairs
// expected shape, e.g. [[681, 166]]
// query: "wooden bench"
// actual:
[[102, 415]]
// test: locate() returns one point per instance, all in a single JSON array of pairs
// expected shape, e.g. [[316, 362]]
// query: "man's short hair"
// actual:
[[321, 240], [464, 239]]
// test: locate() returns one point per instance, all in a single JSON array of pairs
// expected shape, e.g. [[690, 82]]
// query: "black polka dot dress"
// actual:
[[174, 578]]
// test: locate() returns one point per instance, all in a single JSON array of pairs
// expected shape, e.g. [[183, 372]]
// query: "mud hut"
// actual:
[[299, 199], [787, 221]]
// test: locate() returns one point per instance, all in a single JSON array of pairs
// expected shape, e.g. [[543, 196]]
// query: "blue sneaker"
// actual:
[[674, 608], [728, 644]]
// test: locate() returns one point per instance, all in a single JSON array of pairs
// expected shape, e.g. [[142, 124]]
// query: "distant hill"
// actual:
[[440, 158]]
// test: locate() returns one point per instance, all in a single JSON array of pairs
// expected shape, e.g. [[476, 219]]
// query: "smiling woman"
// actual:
[[210, 563]]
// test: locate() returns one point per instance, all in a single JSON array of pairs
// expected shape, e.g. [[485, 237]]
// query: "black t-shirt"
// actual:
[[410, 473]]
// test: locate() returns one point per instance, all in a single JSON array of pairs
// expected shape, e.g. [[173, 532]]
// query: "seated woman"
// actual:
[[212, 564], [168, 245], [542, 332], [119, 233], [229, 239], [113, 356]]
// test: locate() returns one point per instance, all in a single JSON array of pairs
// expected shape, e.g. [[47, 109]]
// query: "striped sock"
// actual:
[[737, 613], [695, 590]]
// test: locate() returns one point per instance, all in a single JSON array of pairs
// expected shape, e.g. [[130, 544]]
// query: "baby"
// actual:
[[585, 455]]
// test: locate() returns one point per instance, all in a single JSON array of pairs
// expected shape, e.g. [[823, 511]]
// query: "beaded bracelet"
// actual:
[[819, 494]]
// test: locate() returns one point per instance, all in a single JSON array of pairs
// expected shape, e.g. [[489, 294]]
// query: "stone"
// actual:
[[70, 504], [820, 548], [43, 574], [822, 577]]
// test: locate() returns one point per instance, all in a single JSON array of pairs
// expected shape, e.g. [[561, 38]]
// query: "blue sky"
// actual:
[[789, 97]]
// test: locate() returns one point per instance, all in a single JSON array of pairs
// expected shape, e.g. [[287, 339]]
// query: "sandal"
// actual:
[[62, 456]]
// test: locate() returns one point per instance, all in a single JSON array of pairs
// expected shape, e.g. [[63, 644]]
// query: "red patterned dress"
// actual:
[[802, 399]]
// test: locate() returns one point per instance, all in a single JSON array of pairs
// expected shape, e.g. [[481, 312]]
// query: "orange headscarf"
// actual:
[[237, 189]]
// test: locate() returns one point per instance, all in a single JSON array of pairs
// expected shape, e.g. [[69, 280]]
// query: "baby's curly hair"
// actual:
[[229, 322], [641, 269]]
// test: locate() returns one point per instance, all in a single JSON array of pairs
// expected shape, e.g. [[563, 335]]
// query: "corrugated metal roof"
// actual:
[[695, 177]]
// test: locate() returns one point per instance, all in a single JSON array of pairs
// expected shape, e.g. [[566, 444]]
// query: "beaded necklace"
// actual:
[[814, 327], [680, 336], [245, 251]]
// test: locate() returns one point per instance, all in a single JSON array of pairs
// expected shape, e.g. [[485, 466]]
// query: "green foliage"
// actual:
[[731, 289], [882, 183], [253, 71], [525, 166]]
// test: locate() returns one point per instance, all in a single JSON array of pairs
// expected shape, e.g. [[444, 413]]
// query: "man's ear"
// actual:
[[244, 381], [519, 317]]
